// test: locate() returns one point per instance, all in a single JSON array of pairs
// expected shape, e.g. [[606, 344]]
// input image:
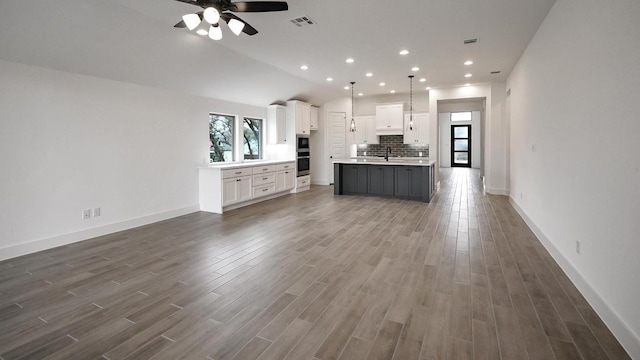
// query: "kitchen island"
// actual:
[[404, 178]]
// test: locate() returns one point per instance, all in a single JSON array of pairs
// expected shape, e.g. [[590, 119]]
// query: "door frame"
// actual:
[[453, 151]]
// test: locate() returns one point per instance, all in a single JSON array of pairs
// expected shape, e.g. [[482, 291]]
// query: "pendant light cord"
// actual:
[[352, 126], [411, 102]]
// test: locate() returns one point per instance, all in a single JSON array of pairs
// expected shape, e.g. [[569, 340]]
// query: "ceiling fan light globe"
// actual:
[[236, 26], [191, 20], [211, 15], [215, 33]]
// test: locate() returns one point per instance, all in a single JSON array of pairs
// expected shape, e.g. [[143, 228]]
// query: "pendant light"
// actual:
[[410, 102], [352, 127]]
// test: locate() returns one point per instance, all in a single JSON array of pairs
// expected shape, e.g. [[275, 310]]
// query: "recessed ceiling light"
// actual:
[[423, 80], [468, 62], [468, 75], [428, 88], [392, 91], [369, 74], [415, 68], [360, 94], [329, 79], [346, 88], [404, 52], [350, 61], [382, 84], [304, 67], [202, 32], [467, 84]]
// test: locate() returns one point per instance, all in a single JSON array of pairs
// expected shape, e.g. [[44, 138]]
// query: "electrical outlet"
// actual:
[[96, 212], [578, 247], [86, 214]]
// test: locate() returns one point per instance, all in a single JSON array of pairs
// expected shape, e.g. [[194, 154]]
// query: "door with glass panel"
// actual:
[[461, 145]]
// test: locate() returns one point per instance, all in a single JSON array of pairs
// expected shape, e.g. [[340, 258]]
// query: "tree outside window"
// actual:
[[252, 133], [221, 137]]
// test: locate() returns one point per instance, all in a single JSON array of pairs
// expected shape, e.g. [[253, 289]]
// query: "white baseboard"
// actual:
[[12, 251], [627, 338], [496, 191]]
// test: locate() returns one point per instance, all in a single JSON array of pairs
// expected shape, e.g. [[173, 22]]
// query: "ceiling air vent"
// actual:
[[495, 72], [470, 41], [302, 21]]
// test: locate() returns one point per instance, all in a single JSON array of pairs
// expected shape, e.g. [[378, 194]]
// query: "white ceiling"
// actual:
[[134, 41]]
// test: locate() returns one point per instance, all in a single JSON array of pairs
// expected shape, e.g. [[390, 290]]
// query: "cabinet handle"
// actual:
[[238, 180], [263, 190], [265, 169], [238, 172], [264, 178], [388, 125], [286, 172]]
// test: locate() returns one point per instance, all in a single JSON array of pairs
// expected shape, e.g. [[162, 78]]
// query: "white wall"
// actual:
[[495, 136], [366, 105], [574, 94], [445, 136], [70, 142]]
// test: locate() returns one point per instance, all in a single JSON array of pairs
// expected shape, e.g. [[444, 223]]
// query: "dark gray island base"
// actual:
[[399, 180]]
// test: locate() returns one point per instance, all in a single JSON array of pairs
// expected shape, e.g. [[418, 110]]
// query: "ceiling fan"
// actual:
[[214, 10]]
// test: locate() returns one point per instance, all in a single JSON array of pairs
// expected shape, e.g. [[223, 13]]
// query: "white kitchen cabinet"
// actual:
[[300, 113], [315, 116], [420, 133], [365, 130], [285, 180], [236, 189], [224, 187], [277, 124], [389, 119]]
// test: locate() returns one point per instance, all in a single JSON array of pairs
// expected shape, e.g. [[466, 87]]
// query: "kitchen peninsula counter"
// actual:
[[404, 178]]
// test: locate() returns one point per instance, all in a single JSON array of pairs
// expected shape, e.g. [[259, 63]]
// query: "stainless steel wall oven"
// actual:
[[303, 156]]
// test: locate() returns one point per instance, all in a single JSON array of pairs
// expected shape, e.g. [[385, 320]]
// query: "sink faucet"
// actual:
[[387, 153]]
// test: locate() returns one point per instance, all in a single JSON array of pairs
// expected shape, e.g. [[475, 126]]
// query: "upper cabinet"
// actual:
[[300, 113], [315, 116], [365, 130], [419, 133], [389, 119], [277, 125]]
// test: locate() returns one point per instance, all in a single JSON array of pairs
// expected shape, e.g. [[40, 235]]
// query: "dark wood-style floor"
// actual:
[[306, 276]]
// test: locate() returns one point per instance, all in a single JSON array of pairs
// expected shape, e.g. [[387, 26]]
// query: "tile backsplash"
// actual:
[[396, 145]]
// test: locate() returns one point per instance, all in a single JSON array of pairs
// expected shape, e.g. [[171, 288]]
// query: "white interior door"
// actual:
[[337, 139]]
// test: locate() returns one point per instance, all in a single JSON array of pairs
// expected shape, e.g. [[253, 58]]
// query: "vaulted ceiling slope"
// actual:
[[134, 41]]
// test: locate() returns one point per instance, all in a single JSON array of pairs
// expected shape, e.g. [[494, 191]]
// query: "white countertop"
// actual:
[[405, 161], [235, 165]]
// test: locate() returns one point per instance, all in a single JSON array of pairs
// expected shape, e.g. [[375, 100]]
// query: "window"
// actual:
[[252, 133], [461, 116], [221, 137]]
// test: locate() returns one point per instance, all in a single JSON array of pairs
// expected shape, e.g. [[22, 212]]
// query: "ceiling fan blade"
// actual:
[[192, 2], [259, 6], [248, 29]]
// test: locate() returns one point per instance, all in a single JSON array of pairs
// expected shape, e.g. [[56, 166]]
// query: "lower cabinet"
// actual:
[[355, 179], [221, 186], [410, 182], [285, 180], [381, 180], [236, 189]]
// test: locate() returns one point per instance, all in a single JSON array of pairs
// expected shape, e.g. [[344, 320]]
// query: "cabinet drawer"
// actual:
[[286, 166], [303, 181], [236, 172], [263, 190], [262, 179], [263, 169]]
